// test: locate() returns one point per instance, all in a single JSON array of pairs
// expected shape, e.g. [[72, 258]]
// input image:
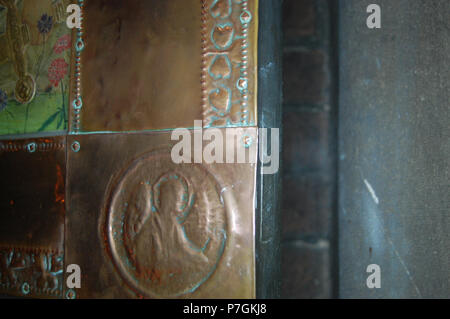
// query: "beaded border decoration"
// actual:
[[77, 103], [227, 67]]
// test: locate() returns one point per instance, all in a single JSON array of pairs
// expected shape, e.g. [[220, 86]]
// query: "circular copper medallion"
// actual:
[[165, 226]]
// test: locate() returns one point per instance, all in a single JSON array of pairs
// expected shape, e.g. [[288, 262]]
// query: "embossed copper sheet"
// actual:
[[32, 212], [229, 63], [156, 229], [160, 64]]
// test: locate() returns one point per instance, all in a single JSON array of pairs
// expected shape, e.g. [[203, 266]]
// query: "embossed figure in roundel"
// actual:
[[166, 226]]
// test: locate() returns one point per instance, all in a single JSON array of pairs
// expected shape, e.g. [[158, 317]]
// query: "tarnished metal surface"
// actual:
[[141, 65], [141, 226], [267, 214], [163, 64], [137, 224], [32, 206]]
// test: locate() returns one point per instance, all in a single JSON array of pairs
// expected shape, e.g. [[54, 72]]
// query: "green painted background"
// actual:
[[48, 109]]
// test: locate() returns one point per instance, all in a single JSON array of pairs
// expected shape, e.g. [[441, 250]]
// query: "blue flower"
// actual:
[[3, 100], [45, 23]]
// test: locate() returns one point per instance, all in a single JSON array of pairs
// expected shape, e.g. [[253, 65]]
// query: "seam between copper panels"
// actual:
[[30, 147]]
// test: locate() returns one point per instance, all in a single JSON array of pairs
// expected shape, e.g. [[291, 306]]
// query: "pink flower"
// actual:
[[56, 71], [62, 44]]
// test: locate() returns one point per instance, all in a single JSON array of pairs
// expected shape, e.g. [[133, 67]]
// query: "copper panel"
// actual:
[[141, 65], [141, 226], [32, 206], [163, 64]]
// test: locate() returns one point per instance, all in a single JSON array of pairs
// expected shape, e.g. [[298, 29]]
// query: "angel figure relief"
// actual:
[[155, 230]]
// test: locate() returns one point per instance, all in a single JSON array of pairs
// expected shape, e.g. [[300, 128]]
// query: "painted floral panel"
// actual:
[[35, 51]]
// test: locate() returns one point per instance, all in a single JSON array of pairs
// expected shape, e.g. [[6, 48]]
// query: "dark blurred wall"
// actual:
[[394, 144], [309, 149]]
